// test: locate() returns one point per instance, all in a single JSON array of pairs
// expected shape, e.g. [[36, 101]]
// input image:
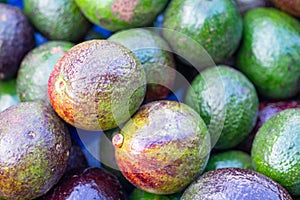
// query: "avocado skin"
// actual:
[[270, 52], [116, 15], [16, 39], [290, 6], [215, 24], [35, 69], [77, 158], [57, 20], [34, 151], [8, 94], [138, 194], [275, 150], [234, 183]]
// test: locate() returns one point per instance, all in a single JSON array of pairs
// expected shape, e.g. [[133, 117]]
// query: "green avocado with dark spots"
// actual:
[[270, 52], [8, 94], [34, 153]]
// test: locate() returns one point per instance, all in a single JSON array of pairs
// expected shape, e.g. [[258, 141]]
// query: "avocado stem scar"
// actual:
[[118, 140]]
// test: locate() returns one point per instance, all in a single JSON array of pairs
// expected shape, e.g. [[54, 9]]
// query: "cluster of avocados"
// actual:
[[192, 99]]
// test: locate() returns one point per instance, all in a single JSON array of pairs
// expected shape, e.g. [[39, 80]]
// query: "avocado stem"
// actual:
[[118, 140]]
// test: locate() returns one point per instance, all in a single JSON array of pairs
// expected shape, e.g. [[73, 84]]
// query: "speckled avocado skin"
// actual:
[[165, 146], [34, 151], [276, 147], [270, 52], [214, 24], [121, 14], [234, 183], [95, 84]]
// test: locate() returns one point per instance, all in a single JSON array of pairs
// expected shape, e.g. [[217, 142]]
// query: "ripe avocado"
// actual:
[[163, 147], [234, 183], [97, 85], [289, 6], [57, 20], [276, 147], [8, 94], [116, 15], [34, 151], [227, 102], [154, 54], [270, 52], [214, 24], [16, 39], [35, 69]]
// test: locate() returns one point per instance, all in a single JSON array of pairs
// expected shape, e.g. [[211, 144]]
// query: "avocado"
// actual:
[[229, 159], [163, 147], [116, 15], [8, 94], [97, 85], [228, 103], [57, 20], [87, 183], [276, 147], [154, 54], [35, 69], [270, 52], [215, 25], [234, 183], [290, 6], [35, 148], [16, 39], [138, 194]]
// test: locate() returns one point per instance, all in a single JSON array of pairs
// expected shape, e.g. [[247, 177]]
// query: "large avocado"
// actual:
[[270, 52], [35, 148]]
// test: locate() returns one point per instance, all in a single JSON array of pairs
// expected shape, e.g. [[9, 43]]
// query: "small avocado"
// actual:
[[89, 183], [270, 52], [234, 183], [116, 15], [138, 194], [57, 20], [16, 39], [8, 94], [97, 85], [290, 6], [163, 147], [215, 25], [35, 69], [276, 147], [154, 54], [35, 148], [228, 103]]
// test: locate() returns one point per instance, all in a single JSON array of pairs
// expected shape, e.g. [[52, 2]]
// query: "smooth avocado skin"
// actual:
[[215, 24], [35, 148], [228, 103], [270, 52], [8, 94], [116, 15], [276, 147], [57, 20], [234, 183], [35, 69], [16, 40], [97, 85]]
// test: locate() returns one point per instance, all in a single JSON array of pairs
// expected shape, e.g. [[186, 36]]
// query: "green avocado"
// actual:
[[8, 94], [276, 147], [34, 153], [57, 20], [270, 52]]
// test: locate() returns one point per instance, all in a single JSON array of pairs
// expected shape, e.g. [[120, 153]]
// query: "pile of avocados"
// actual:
[[188, 99]]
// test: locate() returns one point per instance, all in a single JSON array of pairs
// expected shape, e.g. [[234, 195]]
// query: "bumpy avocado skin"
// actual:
[[16, 39], [270, 52], [155, 56], [34, 151], [116, 15], [165, 146], [57, 20], [228, 103], [215, 24], [276, 147], [234, 183], [8, 94], [35, 69], [95, 84]]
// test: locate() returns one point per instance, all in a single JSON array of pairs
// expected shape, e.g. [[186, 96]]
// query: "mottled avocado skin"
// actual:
[[163, 148], [234, 183], [16, 39], [270, 52], [276, 147], [34, 151]]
